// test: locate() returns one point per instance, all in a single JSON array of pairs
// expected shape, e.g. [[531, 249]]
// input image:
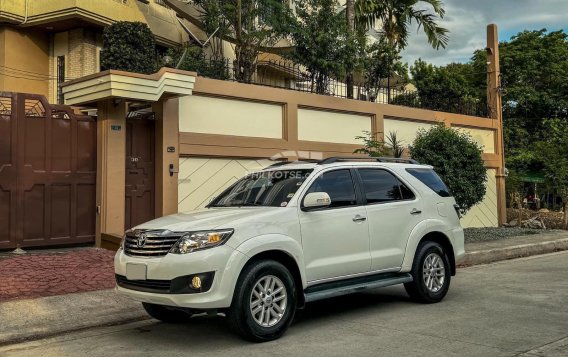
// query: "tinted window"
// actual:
[[265, 188], [382, 186], [338, 185], [431, 179]]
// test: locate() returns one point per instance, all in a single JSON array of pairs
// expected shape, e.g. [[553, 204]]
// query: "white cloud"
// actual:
[[467, 21]]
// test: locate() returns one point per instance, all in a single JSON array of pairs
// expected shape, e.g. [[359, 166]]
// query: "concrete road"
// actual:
[[512, 308]]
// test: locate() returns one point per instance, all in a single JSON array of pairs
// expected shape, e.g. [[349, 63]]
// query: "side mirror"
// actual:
[[317, 200]]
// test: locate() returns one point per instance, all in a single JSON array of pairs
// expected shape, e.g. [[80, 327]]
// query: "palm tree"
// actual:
[[395, 17]]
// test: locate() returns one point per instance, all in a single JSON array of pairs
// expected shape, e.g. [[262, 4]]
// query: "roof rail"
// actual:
[[281, 163], [332, 160]]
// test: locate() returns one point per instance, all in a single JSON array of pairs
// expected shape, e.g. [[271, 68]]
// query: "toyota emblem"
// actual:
[[141, 239]]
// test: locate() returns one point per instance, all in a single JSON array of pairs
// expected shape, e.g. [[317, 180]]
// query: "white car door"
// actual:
[[392, 211], [335, 239]]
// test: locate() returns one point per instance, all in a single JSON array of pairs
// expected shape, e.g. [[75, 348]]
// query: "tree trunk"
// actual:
[[350, 13]]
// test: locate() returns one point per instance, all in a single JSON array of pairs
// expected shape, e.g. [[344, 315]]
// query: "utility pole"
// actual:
[[494, 105]]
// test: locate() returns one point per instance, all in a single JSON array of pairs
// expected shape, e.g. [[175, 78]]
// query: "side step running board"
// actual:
[[344, 287]]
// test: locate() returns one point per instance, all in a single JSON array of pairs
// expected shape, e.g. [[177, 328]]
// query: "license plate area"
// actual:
[[135, 271]]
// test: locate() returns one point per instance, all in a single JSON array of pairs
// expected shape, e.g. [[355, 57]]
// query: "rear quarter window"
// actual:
[[431, 179]]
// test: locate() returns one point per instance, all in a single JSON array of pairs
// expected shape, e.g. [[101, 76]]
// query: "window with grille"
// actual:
[[60, 78]]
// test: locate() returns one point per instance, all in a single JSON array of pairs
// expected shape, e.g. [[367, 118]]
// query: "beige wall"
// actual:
[[24, 57], [485, 213], [332, 127], [406, 131], [202, 178], [209, 115], [485, 138]]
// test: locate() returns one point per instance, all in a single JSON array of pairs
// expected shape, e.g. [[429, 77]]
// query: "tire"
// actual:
[[280, 306], [427, 287], [166, 314]]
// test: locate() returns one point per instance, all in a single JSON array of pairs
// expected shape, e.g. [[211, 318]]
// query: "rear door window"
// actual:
[[382, 186]]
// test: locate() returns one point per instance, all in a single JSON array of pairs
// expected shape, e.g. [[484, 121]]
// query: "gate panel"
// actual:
[[48, 181], [8, 177]]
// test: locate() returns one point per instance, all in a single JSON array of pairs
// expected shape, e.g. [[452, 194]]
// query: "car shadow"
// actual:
[[211, 333]]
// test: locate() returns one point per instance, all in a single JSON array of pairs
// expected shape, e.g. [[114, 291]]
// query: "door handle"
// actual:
[[415, 211], [359, 218]]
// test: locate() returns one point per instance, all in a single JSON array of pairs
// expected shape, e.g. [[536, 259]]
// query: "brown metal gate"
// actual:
[[47, 173]]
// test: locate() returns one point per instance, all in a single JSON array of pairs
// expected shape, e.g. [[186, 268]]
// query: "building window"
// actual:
[[60, 78]]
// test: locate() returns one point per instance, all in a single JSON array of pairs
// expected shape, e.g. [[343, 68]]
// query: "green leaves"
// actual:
[[323, 43], [394, 18], [129, 46], [456, 157]]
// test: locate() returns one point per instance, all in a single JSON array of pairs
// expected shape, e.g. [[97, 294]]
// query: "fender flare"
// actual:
[[273, 242], [422, 229]]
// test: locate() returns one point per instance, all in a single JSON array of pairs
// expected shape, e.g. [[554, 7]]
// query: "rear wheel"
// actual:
[[166, 313], [431, 273], [264, 303]]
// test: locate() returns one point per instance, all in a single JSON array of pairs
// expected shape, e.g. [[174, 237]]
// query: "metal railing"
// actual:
[[287, 75]]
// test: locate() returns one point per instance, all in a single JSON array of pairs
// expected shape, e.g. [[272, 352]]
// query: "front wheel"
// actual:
[[431, 273], [264, 303]]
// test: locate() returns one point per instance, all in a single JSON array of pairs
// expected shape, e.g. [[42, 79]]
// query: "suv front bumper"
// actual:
[[165, 275]]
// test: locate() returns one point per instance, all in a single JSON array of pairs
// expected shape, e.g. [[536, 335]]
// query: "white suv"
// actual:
[[295, 233]]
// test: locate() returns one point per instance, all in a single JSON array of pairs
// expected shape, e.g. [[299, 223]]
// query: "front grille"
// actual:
[[150, 286], [149, 243]]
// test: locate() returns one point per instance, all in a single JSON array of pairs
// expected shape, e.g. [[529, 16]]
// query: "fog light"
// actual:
[[196, 282]]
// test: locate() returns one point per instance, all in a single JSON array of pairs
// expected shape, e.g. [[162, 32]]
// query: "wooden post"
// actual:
[[494, 104]]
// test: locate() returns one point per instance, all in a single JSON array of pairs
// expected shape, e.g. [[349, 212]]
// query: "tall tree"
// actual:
[[350, 14], [395, 17], [249, 25], [321, 42]]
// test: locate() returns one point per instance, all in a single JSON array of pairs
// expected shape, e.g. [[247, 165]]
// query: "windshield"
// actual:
[[267, 188]]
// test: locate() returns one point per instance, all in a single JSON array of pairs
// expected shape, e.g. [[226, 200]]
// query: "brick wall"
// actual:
[[81, 56]]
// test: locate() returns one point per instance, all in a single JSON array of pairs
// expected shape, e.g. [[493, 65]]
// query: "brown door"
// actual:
[[47, 173], [139, 200]]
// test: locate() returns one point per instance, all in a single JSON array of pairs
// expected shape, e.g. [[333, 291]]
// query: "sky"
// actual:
[[467, 21]]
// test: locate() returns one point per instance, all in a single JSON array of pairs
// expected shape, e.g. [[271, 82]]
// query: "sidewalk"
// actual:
[[515, 247], [40, 273], [48, 316]]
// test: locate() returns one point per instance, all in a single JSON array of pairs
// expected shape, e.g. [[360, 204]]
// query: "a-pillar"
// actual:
[[111, 158], [494, 103]]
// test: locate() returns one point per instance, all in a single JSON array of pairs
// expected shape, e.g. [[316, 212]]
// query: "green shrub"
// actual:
[[129, 46], [456, 157], [195, 60]]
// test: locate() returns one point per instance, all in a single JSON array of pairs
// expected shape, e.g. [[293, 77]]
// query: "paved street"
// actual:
[[510, 308]]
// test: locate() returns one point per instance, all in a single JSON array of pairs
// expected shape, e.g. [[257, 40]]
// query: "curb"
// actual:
[[512, 252]]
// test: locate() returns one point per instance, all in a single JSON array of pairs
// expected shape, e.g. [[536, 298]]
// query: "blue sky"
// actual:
[[467, 21]]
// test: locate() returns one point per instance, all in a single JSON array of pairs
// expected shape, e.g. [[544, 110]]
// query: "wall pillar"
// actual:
[[111, 156], [494, 103], [167, 153]]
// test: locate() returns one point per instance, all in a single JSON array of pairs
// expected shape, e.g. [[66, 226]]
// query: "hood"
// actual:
[[204, 219]]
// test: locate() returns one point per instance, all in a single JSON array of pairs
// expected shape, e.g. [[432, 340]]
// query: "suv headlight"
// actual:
[[192, 241]]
